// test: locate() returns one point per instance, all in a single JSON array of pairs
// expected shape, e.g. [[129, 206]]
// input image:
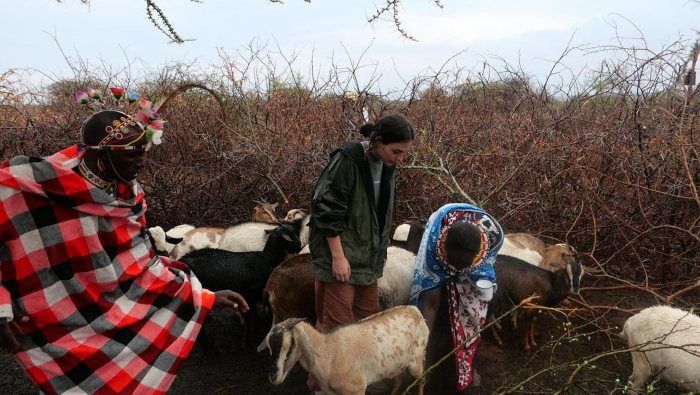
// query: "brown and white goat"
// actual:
[[295, 214], [265, 212], [533, 250], [351, 357]]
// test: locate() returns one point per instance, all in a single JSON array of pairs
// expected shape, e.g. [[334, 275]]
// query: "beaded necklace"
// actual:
[[89, 175]]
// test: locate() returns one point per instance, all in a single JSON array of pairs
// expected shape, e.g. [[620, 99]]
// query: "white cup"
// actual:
[[486, 288]]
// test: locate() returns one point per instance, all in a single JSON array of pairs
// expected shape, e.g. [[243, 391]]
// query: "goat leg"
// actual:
[[421, 386], [496, 337], [397, 385], [532, 331], [528, 327]]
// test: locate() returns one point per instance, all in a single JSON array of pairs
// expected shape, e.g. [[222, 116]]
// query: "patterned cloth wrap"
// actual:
[[107, 315], [467, 311]]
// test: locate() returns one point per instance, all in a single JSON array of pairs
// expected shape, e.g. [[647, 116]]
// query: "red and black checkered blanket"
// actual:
[[107, 315]]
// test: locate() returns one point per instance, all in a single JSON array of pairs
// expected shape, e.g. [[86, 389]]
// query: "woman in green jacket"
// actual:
[[351, 214]]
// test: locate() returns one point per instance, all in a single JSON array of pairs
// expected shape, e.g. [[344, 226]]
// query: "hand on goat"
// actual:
[[230, 299]]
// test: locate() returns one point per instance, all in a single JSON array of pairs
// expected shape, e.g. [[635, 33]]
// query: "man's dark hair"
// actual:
[[391, 128]]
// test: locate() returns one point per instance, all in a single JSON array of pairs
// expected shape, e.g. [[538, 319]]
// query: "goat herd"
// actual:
[[267, 261]]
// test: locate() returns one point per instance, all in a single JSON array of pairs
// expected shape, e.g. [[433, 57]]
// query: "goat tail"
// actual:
[[623, 334]]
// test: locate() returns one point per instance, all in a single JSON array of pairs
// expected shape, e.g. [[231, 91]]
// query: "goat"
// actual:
[[351, 357], [290, 288], [668, 341], [409, 234], [245, 237], [518, 280], [163, 242], [265, 212], [395, 283], [533, 250], [295, 214], [243, 272]]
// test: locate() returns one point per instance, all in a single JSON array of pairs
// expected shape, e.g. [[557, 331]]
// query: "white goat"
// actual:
[[245, 237], [351, 357], [669, 344], [401, 232], [163, 241], [395, 284]]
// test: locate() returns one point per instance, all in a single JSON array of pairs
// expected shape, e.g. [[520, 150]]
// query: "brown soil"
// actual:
[[223, 367]]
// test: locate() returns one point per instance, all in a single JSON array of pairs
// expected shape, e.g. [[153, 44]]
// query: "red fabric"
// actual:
[[465, 335], [106, 314]]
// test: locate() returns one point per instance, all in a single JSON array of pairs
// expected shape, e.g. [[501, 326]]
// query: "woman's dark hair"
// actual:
[[463, 236], [391, 129], [94, 127]]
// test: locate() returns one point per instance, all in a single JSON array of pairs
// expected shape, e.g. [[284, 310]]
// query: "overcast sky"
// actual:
[[532, 32]]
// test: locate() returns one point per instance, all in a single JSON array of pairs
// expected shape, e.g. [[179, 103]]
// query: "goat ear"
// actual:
[[303, 339], [268, 231], [287, 238], [274, 206]]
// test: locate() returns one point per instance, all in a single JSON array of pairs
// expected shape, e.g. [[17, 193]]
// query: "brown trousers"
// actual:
[[342, 303]]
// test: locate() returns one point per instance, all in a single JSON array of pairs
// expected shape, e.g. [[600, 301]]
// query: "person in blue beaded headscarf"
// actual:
[[453, 282]]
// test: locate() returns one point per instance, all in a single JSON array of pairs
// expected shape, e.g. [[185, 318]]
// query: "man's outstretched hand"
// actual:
[[230, 299]]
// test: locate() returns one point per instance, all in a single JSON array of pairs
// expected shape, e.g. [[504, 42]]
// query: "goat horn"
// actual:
[[591, 270], [163, 104]]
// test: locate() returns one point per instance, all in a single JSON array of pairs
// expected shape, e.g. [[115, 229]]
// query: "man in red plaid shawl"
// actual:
[[85, 303]]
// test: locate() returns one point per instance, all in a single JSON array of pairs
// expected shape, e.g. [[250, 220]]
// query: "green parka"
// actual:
[[343, 204]]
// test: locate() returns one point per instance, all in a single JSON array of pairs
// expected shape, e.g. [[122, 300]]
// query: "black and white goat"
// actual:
[[244, 272]]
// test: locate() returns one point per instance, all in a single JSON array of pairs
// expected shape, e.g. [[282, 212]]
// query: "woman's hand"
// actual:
[[341, 269], [230, 299]]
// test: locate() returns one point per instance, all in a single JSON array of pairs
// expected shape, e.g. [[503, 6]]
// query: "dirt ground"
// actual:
[[225, 368]]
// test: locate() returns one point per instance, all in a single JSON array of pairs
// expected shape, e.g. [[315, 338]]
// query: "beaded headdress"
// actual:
[[144, 119], [139, 113]]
